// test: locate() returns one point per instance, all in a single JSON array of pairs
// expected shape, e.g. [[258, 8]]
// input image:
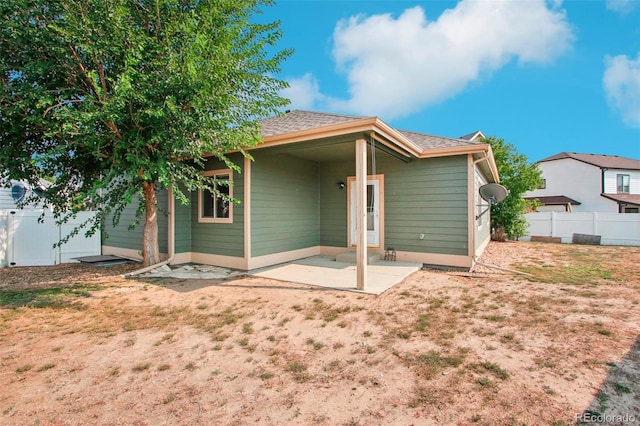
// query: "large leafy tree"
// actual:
[[519, 177], [118, 98]]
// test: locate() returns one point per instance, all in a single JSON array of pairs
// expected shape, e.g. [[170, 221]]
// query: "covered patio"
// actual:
[[320, 271]]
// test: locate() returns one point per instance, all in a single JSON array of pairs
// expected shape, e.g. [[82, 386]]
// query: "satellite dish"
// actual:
[[493, 193], [18, 192]]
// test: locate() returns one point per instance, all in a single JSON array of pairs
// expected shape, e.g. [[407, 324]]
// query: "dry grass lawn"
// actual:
[[81, 345]]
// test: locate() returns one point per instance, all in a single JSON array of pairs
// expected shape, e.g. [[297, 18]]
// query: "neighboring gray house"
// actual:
[[299, 198], [575, 182]]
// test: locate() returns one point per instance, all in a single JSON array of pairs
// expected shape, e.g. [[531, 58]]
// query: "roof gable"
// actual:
[[303, 126], [473, 136], [598, 160], [299, 120], [426, 142]]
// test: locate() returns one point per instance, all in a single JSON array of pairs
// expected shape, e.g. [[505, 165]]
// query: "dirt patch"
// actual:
[[80, 345]]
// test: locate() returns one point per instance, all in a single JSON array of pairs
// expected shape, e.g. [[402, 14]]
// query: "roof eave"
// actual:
[[395, 136]]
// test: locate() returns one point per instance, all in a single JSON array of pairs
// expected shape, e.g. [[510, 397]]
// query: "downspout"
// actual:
[[171, 225]]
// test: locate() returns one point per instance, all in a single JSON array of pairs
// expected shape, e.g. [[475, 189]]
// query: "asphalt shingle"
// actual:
[[598, 160], [426, 142], [298, 120]]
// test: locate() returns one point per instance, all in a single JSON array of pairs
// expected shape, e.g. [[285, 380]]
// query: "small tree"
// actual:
[[519, 177], [118, 98]]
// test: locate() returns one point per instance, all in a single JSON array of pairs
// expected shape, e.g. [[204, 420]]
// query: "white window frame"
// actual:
[[203, 219], [620, 183]]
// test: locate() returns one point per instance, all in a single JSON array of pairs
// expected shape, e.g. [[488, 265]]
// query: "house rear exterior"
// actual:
[[297, 198]]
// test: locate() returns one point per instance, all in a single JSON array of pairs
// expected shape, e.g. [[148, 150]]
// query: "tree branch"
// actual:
[[81, 67], [103, 80], [112, 126], [73, 101]]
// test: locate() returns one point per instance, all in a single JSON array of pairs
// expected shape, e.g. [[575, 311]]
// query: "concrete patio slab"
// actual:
[[325, 271], [197, 272]]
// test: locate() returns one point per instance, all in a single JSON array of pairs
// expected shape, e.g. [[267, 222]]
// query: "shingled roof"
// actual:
[[598, 160], [554, 200], [624, 198], [426, 142], [299, 120]]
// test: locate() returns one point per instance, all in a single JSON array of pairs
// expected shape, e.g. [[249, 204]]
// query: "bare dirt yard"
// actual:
[[81, 345]]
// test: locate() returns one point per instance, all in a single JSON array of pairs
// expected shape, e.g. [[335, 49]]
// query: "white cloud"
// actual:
[[395, 66], [303, 92], [620, 6], [621, 82]]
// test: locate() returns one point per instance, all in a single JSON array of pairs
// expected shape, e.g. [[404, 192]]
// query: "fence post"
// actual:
[[553, 224]]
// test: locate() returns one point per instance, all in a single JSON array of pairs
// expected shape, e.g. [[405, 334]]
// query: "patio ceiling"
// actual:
[[333, 150], [326, 153]]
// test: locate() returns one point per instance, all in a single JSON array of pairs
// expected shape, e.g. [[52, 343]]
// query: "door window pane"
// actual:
[[370, 208]]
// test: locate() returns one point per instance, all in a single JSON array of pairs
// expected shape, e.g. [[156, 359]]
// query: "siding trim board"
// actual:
[[247, 208], [452, 260]]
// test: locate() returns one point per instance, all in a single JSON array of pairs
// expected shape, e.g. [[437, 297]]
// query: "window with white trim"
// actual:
[[215, 207], [623, 184]]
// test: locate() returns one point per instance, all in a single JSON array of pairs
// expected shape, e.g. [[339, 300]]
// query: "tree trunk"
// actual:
[[150, 247]]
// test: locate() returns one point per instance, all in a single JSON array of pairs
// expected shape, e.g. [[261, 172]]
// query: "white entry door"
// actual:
[[373, 212]]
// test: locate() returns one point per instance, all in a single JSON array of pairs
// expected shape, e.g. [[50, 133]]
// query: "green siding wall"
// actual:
[[220, 238], [333, 203], [427, 196], [183, 226], [297, 203], [121, 236], [284, 204]]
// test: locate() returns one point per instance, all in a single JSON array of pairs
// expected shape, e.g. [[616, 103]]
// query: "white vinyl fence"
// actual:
[[26, 241], [613, 228]]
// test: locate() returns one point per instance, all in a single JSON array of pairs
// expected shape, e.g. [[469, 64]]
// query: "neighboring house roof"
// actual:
[[555, 200], [624, 198], [598, 160]]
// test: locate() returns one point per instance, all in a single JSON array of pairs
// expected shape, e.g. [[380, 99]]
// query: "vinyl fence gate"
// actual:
[[27, 241]]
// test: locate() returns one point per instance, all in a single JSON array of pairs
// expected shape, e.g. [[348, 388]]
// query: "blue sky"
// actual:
[[546, 76]]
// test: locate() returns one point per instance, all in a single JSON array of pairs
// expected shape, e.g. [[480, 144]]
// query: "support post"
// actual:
[[361, 214]]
